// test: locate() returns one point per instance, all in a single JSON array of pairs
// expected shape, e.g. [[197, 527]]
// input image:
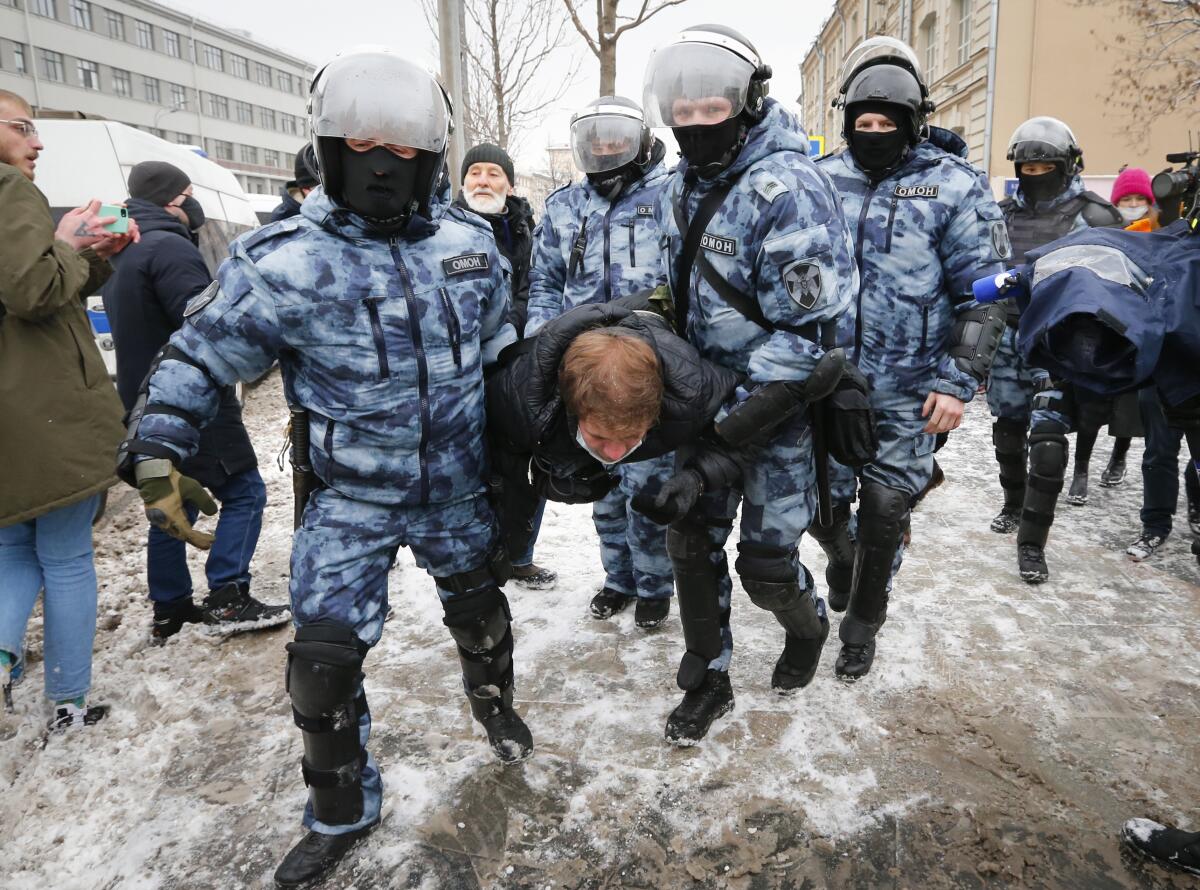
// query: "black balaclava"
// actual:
[[195, 213], [611, 183], [379, 186], [878, 152], [1044, 187], [710, 148]]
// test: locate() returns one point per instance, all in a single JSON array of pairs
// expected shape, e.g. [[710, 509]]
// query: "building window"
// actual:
[[171, 43], [89, 74], [19, 59], [964, 31], [116, 25], [218, 106], [184, 139], [161, 134], [239, 67], [270, 157], [285, 81], [249, 154], [243, 112], [288, 123], [122, 82], [221, 150], [212, 57], [262, 73], [81, 14], [266, 118], [145, 35], [928, 46], [151, 89], [44, 8], [178, 96]]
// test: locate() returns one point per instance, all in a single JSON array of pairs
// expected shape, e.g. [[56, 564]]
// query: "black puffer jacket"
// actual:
[[513, 230], [144, 300]]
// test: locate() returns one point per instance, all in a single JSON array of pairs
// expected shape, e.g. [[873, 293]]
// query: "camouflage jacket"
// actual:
[[590, 250], [382, 340], [780, 238], [921, 236]]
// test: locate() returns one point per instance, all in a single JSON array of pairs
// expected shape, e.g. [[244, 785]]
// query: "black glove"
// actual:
[[580, 488], [853, 440], [674, 500]]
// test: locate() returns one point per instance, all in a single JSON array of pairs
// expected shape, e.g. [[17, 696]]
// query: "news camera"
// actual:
[[1175, 190]]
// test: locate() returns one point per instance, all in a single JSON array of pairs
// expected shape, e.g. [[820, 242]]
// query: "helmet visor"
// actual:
[[1040, 139], [603, 142], [689, 84], [875, 51], [379, 96]]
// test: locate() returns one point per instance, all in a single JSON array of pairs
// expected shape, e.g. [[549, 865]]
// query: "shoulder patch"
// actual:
[[717, 244], [768, 186], [803, 282], [202, 299], [1000, 241], [467, 262]]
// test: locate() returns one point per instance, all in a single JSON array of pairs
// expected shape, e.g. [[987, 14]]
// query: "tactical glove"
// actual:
[[164, 492], [674, 500], [580, 488]]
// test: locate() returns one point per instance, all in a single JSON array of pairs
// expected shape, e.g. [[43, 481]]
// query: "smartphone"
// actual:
[[121, 226]]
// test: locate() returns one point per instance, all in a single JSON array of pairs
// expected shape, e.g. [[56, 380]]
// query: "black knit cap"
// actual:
[[305, 170], [486, 153], [157, 182]]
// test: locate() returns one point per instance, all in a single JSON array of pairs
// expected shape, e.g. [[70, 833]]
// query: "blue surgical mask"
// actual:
[[604, 460]]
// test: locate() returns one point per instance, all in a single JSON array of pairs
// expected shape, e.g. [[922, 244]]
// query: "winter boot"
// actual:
[[1031, 563], [170, 617], [839, 551], [1166, 846], [316, 855], [797, 665], [534, 577], [608, 603], [1009, 437], [11, 670], [1077, 494], [855, 660], [650, 613], [1114, 473], [1145, 546], [691, 719], [75, 714], [230, 609]]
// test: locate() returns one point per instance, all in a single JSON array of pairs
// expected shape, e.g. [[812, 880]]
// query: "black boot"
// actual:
[[1009, 437], [508, 735], [1167, 846], [170, 617], [608, 603], [651, 613], [690, 721], [230, 609], [839, 551], [316, 855], [1077, 494], [1114, 473], [797, 665], [1031, 563], [855, 660], [1047, 466]]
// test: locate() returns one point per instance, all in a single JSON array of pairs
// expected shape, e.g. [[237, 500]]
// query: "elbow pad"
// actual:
[[771, 404], [975, 339]]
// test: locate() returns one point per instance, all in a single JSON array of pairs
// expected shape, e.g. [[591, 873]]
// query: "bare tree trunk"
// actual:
[[603, 43]]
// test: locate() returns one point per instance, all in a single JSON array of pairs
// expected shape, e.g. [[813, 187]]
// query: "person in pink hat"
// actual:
[[1134, 199]]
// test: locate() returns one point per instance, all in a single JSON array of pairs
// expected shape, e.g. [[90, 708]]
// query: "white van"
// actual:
[[86, 159]]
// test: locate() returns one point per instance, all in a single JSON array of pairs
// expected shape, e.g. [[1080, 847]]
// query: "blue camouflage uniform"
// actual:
[[779, 229], [922, 235], [384, 343], [590, 250]]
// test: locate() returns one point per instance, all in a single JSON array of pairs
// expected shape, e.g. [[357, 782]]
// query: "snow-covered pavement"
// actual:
[[1003, 735]]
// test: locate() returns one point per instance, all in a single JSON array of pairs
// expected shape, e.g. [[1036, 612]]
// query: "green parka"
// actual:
[[60, 418]]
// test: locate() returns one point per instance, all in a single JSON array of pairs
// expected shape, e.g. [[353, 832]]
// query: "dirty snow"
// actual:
[[1003, 737]]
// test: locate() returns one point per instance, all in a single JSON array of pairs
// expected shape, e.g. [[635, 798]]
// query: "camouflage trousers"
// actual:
[[341, 555], [633, 550], [1010, 388]]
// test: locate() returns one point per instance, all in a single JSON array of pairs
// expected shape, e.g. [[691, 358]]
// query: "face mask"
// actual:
[[195, 213], [378, 185], [878, 151], [1133, 214], [709, 148], [1037, 189], [485, 202], [604, 460]]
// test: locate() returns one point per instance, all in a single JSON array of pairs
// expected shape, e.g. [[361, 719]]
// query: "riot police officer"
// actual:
[[382, 305], [927, 228], [1050, 202], [761, 268], [597, 242]]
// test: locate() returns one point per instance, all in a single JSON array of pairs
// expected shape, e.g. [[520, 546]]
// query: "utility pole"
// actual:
[[451, 26]]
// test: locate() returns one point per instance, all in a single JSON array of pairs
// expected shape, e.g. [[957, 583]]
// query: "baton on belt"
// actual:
[[304, 480]]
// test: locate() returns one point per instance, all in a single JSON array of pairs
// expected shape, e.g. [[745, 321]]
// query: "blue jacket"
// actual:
[[620, 247], [382, 340], [922, 235], [779, 237]]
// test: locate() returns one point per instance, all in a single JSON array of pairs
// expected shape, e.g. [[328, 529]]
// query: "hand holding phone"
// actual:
[[118, 226]]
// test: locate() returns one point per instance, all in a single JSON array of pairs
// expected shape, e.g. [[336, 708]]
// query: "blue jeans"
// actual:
[[526, 558], [1160, 467], [52, 552], [242, 498]]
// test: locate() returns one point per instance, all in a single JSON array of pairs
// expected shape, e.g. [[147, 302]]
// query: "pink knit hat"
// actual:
[[1132, 181]]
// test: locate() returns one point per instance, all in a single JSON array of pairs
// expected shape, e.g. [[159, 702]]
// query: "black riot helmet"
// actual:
[[892, 86], [1049, 140], [373, 94]]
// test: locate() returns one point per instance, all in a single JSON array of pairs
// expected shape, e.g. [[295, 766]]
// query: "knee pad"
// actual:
[[769, 575], [1048, 449], [324, 675], [479, 619], [1008, 436], [881, 507]]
